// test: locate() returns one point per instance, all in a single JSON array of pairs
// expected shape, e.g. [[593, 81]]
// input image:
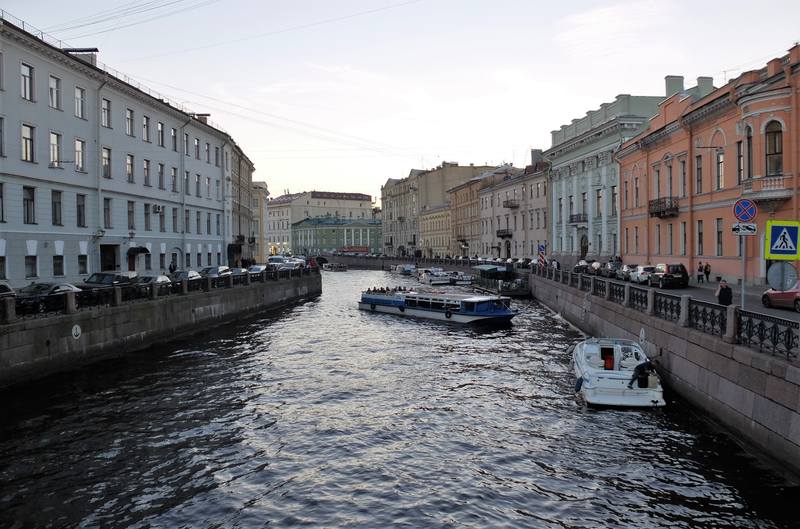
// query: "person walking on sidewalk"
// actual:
[[700, 272], [724, 293], [707, 270]]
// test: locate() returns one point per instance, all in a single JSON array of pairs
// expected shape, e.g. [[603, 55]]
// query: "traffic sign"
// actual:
[[743, 228], [745, 210], [782, 276], [781, 240]]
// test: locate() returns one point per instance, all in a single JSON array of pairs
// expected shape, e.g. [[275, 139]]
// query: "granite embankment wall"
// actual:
[[36, 347], [756, 395]]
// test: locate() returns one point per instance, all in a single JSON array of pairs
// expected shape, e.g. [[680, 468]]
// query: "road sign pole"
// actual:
[[743, 250]]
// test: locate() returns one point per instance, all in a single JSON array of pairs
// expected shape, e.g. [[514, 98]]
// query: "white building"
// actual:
[[288, 209], [98, 174]]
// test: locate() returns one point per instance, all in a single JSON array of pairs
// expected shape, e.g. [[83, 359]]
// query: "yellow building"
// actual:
[[434, 233], [260, 203]]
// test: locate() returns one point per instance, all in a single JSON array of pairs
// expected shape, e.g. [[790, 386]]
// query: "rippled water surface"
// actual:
[[326, 416]]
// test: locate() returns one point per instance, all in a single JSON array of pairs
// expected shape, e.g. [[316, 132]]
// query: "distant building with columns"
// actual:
[[327, 234]]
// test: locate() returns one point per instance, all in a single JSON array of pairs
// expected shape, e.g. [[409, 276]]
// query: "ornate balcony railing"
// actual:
[[663, 207], [667, 306], [767, 333], [768, 188], [504, 233], [577, 218], [511, 203], [708, 317]]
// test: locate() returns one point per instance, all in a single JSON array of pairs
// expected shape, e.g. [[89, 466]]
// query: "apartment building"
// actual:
[[706, 148], [290, 208], [99, 173], [260, 226], [434, 232]]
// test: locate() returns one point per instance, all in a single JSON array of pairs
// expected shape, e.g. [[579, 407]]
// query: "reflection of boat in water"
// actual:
[[615, 372], [335, 267], [457, 308], [403, 269]]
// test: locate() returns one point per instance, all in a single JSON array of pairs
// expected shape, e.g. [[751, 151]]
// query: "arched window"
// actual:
[[774, 148]]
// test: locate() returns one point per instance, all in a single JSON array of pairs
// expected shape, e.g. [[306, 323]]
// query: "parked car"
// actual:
[[610, 269], [594, 268], [667, 275], [624, 272], [6, 291], [256, 269], [238, 271], [581, 266], [183, 275], [215, 271], [786, 298], [641, 274], [43, 297], [108, 280]]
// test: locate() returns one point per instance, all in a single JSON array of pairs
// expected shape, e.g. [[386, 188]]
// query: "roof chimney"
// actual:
[[202, 118], [85, 54], [705, 85], [673, 84], [536, 156]]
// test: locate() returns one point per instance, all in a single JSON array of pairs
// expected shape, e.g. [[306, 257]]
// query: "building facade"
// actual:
[[316, 235], [704, 150], [98, 174], [242, 240], [584, 177], [288, 209], [434, 232], [260, 207]]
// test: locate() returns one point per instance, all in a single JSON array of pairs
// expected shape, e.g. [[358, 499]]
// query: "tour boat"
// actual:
[[442, 306], [615, 372], [404, 269], [436, 277], [335, 267]]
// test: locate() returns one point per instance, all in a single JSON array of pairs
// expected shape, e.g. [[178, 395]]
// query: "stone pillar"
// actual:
[[117, 299], [207, 284], [627, 299], [69, 303], [608, 289], [185, 286], [731, 326], [651, 301], [592, 284], [580, 281], [247, 278], [683, 319], [154, 290], [10, 310]]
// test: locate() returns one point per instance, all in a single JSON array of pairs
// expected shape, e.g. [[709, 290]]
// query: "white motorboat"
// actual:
[[449, 307], [460, 278], [404, 269], [615, 372], [334, 267], [436, 277]]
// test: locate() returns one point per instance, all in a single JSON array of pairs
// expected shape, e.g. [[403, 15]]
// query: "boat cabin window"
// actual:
[[411, 302], [469, 306], [607, 355]]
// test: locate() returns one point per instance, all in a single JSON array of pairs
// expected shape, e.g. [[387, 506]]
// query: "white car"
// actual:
[[642, 274]]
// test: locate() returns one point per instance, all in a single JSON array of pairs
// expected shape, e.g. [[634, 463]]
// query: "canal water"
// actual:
[[324, 416]]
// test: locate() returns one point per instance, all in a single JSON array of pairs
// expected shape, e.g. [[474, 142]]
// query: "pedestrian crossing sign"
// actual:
[[781, 240]]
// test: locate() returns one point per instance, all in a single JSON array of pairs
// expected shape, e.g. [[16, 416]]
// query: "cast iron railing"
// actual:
[[768, 333], [586, 283], [617, 292], [639, 298], [667, 306], [599, 287], [710, 318]]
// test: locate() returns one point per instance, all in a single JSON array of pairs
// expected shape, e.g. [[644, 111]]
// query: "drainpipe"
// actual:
[[182, 175], [98, 171], [647, 202], [223, 183], [691, 171]]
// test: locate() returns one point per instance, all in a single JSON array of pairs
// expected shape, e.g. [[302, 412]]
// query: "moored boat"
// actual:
[[404, 269], [436, 277], [449, 307], [460, 278], [615, 372], [335, 267]]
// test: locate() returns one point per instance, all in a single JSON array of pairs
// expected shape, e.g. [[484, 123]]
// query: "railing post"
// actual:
[[592, 284], [626, 297], [731, 325], [117, 299], [229, 281], [185, 286], [608, 289], [10, 312], [207, 284], [580, 281], [683, 319], [154, 290], [651, 301], [69, 303], [247, 278]]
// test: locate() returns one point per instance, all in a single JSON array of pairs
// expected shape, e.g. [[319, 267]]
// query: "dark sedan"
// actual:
[[669, 275], [43, 297]]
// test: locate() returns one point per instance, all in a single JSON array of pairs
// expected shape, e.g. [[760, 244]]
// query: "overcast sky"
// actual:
[[339, 95]]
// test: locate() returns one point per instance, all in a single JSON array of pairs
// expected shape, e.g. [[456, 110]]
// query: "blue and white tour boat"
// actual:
[[442, 306]]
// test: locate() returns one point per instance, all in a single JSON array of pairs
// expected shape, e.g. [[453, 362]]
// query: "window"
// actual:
[[698, 167], [197, 148], [627, 248], [58, 265], [55, 201], [208, 259], [583, 203], [636, 192], [3, 267], [208, 188], [129, 167], [669, 180], [107, 213], [200, 259], [29, 205], [162, 261], [683, 239], [160, 134], [55, 150], [83, 264], [146, 128], [106, 162], [720, 172], [636, 239], [188, 260], [719, 236], [173, 175], [147, 217], [173, 134], [683, 178], [162, 225], [217, 186], [186, 214], [161, 176], [669, 239], [208, 153], [699, 237], [3, 204], [749, 149], [175, 220], [26, 82], [186, 182], [739, 162], [614, 198], [216, 156], [625, 195], [27, 143], [186, 143], [560, 209], [774, 137], [197, 185], [146, 172], [598, 206], [80, 155], [2, 133], [657, 183], [658, 239], [129, 122], [31, 266], [131, 215], [80, 210], [148, 261], [218, 219], [198, 222], [54, 92], [80, 102], [105, 113]]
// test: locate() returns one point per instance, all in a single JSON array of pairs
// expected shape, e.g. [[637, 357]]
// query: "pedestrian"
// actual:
[[707, 270], [700, 272], [724, 293], [172, 267]]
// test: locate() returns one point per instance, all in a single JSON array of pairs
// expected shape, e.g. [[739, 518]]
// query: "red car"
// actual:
[[787, 298]]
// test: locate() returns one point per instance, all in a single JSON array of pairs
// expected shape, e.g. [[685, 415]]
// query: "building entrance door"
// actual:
[[108, 256], [131, 262], [584, 246], [508, 249]]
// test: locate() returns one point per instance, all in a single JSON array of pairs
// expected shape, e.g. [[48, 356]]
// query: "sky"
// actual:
[[339, 95]]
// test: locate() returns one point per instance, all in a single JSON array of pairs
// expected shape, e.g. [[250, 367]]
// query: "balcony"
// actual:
[[578, 218], [511, 203], [411, 243], [663, 207], [388, 244], [768, 189], [504, 234]]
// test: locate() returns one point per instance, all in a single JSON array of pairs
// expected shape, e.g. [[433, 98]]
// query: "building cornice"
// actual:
[[609, 128], [708, 110]]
